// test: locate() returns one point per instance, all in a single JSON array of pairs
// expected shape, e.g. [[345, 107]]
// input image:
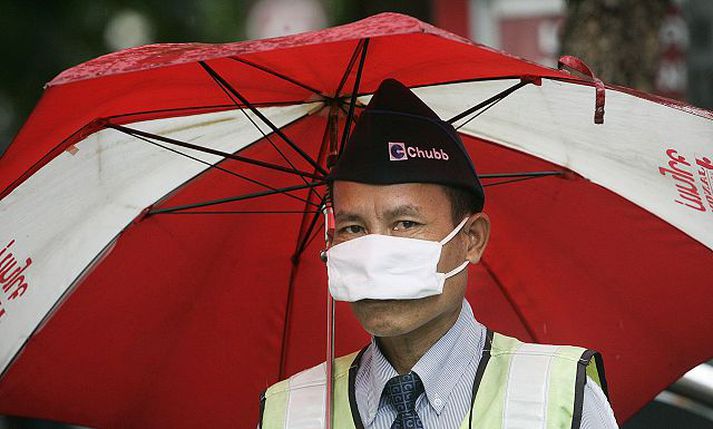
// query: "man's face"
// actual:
[[413, 210]]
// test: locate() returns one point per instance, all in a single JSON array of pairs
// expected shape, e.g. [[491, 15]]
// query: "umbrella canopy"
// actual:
[[160, 223]]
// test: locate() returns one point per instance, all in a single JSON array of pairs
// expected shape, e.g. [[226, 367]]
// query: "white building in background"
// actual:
[[527, 28], [274, 18]]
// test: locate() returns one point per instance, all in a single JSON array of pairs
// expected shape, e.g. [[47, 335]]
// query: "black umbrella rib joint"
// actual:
[[275, 129], [231, 94], [359, 53]]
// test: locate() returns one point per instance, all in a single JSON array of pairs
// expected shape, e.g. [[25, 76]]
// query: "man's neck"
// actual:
[[404, 351]]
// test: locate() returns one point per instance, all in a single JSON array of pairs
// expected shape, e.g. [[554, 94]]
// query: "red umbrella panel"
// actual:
[[161, 221]]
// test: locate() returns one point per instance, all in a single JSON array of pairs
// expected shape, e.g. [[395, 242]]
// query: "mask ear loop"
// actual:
[[448, 238], [455, 232], [457, 269]]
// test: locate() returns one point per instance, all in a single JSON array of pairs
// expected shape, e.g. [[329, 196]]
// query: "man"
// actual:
[[408, 220]]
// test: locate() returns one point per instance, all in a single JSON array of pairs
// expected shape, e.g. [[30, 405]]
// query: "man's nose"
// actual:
[[380, 228]]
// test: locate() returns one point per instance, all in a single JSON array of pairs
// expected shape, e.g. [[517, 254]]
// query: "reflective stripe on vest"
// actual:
[[532, 385], [299, 401], [517, 385]]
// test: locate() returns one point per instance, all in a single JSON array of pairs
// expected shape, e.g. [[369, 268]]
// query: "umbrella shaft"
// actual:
[[329, 361]]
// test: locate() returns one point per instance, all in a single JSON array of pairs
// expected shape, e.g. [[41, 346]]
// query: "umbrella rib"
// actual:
[[490, 101], [352, 102], [278, 74], [522, 174], [231, 212], [262, 117], [350, 66], [509, 299], [197, 109], [305, 237], [233, 199], [171, 110], [134, 132], [314, 235], [485, 109], [225, 170], [504, 182]]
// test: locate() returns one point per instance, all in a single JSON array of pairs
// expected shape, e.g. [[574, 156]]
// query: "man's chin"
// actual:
[[385, 330], [383, 318]]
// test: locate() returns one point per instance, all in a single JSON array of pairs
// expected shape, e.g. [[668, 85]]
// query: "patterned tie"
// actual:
[[402, 392]]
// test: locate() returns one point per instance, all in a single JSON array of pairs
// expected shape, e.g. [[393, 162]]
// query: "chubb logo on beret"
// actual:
[[400, 152]]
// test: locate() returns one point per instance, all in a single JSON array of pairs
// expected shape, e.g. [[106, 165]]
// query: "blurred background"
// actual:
[[659, 46]]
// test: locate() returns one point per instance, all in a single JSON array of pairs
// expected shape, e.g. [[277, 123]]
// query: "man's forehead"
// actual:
[[351, 198], [401, 191]]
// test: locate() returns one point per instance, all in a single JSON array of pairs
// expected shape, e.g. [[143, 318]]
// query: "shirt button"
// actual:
[[437, 402]]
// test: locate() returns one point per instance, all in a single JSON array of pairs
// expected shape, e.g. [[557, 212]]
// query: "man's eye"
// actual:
[[404, 225], [352, 229]]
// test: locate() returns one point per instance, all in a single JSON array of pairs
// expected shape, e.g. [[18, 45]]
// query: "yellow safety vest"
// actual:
[[517, 385]]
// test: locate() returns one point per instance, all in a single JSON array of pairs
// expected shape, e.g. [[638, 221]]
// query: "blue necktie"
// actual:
[[402, 392]]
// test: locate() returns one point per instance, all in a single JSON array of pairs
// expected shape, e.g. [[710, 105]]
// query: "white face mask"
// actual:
[[387, 267]]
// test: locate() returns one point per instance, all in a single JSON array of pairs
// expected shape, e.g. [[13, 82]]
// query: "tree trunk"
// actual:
[[618, 39]]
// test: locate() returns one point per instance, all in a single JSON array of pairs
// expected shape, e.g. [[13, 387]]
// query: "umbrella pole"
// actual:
[[329, 362], [328, 233]]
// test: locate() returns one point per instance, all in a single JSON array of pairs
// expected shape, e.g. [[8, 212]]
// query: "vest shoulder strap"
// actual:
[[299, 402], [532, 385]]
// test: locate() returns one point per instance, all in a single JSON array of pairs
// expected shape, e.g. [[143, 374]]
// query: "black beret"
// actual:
[[399, 139]]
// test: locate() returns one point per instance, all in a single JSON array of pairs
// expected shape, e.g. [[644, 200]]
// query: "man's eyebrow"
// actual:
[[404, 210], [396, 212], [347, 217]]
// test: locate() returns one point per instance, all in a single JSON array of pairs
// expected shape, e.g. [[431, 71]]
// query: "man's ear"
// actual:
[[477, 231]]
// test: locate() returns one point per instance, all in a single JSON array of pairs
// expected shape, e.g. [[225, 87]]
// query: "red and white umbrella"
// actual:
[[159, 209]]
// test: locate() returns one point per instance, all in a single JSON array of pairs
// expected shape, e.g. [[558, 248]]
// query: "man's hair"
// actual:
[[463, 203]]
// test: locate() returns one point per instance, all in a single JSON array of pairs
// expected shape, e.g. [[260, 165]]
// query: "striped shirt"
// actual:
[[447, 370]]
